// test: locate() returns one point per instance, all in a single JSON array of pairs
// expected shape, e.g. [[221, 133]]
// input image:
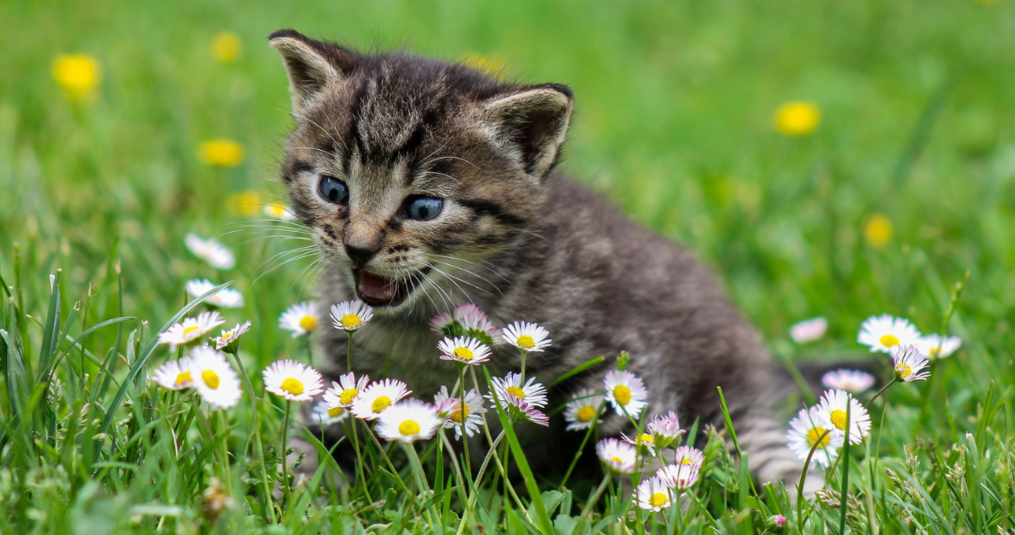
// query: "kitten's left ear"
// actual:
[[311, 64], [532, 121]]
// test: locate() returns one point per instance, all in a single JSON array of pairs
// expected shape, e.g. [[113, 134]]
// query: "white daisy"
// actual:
[[526, 336], [191, 329], [882, 333], [280, 211], [292, 380], [582, 410], [832, 409], [679, 477], [215, 380], [644, 440], [909, 364], [806, 430], [300, 318], [464, 349], [326, 415], [532, 393], [408, 421], [653, 495], [228, 338], [350, 315], [474, 320], [688, 456], [666, 429], [211, 251], [618, 456], [440, 323], [852, 381], [519, 410], [175, 374], [474, 411], [344, 391], [934, 346], [808, 330], [377, 397], [626, 392], [224, 298]]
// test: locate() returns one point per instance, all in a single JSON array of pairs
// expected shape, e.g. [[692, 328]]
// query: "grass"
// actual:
[[673, 123]]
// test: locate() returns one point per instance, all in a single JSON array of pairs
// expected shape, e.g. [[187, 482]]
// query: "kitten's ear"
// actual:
[[311, 64], [533, 121]]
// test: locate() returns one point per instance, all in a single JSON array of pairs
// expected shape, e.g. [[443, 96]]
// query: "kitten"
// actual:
[[429, 184]]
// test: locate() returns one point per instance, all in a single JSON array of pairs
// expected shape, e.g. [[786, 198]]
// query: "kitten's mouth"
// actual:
[[380, 291]]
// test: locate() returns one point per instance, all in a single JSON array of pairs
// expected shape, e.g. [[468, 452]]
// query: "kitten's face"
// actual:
[[407, 169]]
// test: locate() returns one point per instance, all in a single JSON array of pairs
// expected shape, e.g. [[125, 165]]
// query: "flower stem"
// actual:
[[595, 497], [479, 479], [348, 353], [310, 351], [421, 483], [879, 392], [465, 436], [282, 454], [258, 445], [524, 354], [803, 476], [588, 434], [359, 458]]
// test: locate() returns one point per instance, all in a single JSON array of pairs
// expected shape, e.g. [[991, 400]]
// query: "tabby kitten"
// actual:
[[429, 184]]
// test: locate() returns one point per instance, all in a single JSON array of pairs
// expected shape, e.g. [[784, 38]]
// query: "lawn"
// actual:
[[902, 191]]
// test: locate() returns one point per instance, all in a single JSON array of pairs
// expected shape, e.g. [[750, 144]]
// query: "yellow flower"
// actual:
[[221, 152], [78, 75], [246, 203], [797, 118], [490, 64], [877, 230], [226, 47]]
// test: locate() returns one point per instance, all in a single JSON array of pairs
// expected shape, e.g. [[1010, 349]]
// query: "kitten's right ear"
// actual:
[[311, 64]]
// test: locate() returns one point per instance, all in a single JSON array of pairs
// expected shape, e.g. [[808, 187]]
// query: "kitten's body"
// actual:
[[513, 237]]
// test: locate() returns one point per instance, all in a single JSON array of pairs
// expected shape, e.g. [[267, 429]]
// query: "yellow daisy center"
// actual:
[[335, 412], [934, 351], [189, 331], [616, 460], [227, 337], [380, 403], [645, 439], [889, 340], [904, 370], [685, 461], [838, 419], [516, 392], [657, 500], [814, 434], [292, 386], [457, 415], [351, 321], [308, 323], [184, 378], [347, 396], [463, 353], [408, 428], [526, 341], [210, 378], [622, 394], [586, 414]]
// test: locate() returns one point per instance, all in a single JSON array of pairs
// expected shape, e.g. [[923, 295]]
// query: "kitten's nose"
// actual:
[[360, 254]]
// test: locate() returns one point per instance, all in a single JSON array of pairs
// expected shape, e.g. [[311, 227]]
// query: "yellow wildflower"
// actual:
[[797, 118], [490, 64], [226, 47], [221, 152], [78, 75], [877, 230], [247, 203]]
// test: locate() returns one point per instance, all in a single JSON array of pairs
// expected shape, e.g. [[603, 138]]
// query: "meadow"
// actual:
[[891, 189]]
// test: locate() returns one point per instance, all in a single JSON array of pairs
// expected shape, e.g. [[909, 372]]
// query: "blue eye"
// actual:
[[334, 190], [423, 208]]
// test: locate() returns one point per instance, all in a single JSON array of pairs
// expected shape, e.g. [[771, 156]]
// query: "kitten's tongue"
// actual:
[[377, 288]]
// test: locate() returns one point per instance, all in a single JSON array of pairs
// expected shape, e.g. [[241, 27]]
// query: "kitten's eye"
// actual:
[[423, 208], [334, 190]]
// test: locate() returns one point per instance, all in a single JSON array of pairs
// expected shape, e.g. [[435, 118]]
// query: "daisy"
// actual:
[[440, 323], [909, 364], [474, 320], [934, 346], [521, 411], [350, 315], [666, 429], [526, 336], [808, 330], [210, 251], [474, 411], [618, 456], [653, 495], [224, 298], [582, 410], [832, 408], [300, 318], [625, 392], [215, 380], [532, 393], [464, 349], [229, 338], [688, 456], [806, 431], [344, 391], [408, 421], [175, 374], [644, 440], [882, 333], [849, 380], [280, 211], [292, 380], [190, 329], [329, 415], [377, 397], [679, 476]]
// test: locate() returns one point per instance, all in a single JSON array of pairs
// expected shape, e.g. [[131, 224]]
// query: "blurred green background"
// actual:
[[904, 185]]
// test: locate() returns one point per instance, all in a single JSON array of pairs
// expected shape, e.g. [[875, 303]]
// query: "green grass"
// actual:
[[673, 123]]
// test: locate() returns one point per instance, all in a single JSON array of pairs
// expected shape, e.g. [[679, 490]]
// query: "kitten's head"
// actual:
[[404, 167]]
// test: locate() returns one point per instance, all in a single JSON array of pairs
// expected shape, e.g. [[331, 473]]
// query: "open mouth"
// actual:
[[380, 291]]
